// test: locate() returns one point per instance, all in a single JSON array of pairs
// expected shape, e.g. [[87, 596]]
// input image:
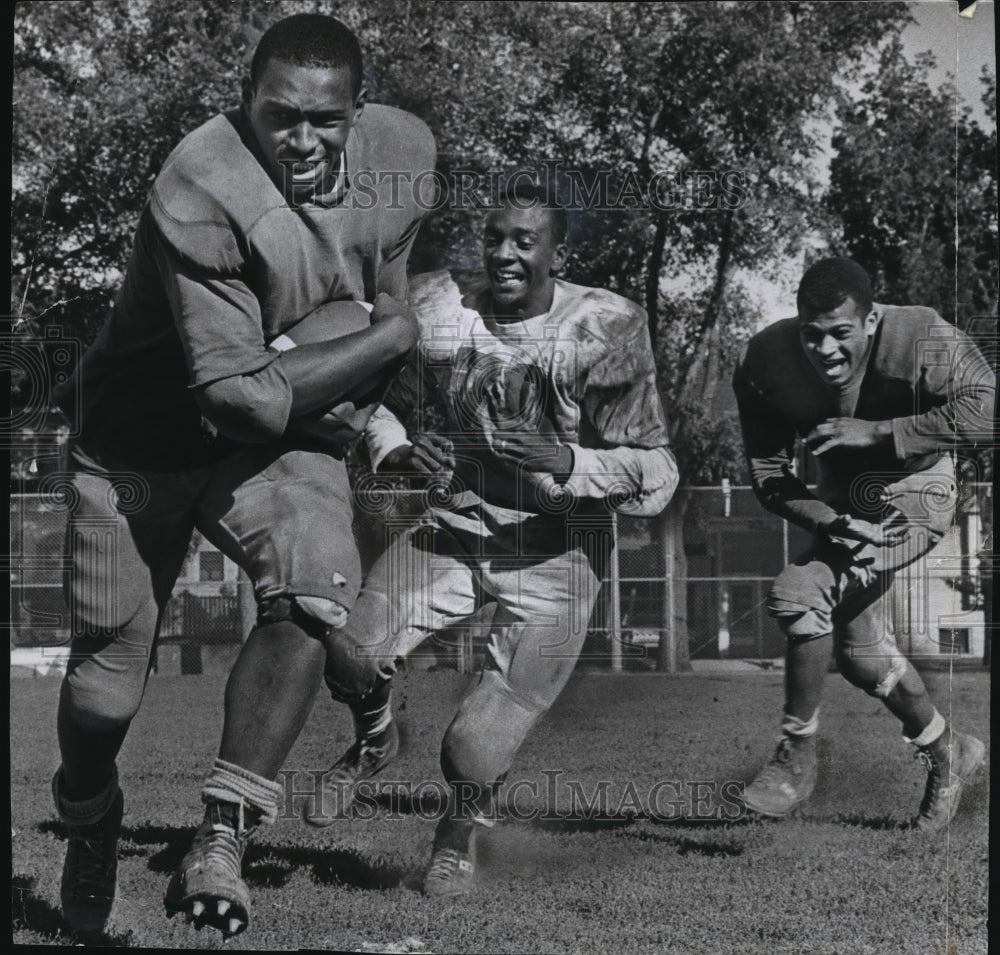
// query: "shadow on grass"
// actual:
[[263, 865], [29, 913], [860, 821]]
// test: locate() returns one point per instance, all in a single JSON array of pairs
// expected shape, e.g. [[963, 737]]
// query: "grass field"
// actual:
[[647, 870]]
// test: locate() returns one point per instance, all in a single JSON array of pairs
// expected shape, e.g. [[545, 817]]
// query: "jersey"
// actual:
[[923, 375], [583, 371], [221, 265]]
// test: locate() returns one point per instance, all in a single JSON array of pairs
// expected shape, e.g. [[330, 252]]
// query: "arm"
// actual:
[[390, 447], [769, 441], [246, 391], [952, 377], [951, 368], [627, 462]]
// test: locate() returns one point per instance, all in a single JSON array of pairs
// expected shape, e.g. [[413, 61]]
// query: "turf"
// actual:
[[651, 868]]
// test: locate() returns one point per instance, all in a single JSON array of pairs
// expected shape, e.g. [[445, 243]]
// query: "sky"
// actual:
[[962, 45]]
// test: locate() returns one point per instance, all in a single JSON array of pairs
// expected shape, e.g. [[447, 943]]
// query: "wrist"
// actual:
[[883, 431], [394, 459]]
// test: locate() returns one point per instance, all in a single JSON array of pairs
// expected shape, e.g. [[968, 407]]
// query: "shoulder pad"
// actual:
[[397, 139], [209, 194], [605, 315]]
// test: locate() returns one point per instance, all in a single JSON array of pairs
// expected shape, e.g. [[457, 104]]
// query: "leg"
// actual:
[[123, 559], [422, 583], [285, 517], [802, 600], [868, 657], [539, 629]]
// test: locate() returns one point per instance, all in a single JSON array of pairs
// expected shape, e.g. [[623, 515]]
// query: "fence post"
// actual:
[[614, 621]]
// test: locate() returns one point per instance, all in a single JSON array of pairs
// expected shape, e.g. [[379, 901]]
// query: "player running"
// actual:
[[882, 395], [552, 419], [250, 226]]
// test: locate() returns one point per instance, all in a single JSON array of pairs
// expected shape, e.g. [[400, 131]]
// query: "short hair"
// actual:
[[526, 195], [309, 39], [828, 283]]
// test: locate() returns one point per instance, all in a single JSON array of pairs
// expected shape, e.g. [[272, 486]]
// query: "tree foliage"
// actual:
[[913, 188]]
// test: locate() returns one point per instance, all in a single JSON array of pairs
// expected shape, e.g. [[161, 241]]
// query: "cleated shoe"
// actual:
[[949, 768], [339, 785], [208, 885], [453, 861], [786, 781], [90, 872]]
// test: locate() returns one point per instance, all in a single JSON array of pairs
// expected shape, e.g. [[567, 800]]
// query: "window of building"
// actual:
[[210, 565]]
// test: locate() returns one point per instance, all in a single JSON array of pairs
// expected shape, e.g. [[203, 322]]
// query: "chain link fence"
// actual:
[[712, 597]]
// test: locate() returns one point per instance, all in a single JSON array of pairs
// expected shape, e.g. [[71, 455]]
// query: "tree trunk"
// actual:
[[673, 655], [653, 276]]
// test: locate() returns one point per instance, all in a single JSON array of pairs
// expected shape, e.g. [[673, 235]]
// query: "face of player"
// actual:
[[301, 116], [837, 343], [522, 259]]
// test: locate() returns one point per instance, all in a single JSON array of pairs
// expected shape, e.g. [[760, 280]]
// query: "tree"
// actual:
[[913, 189], [691, 133]]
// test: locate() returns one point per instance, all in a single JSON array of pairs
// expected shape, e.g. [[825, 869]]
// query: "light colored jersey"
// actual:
[[583, 371]]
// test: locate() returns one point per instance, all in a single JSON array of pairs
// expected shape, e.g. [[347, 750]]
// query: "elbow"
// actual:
[[239, 412], [655, 499]]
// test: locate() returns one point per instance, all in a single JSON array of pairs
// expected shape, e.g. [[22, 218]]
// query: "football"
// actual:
[[346, 421]]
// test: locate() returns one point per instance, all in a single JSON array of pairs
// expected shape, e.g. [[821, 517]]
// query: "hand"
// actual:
[[888, 534], [389, 310], [523, 436], [539, 452], [848, 433], [429, 454]]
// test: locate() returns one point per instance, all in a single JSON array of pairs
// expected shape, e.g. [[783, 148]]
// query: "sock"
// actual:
[[229, 783], [372, 715], [84, 812], [934, 736], [798, 729]]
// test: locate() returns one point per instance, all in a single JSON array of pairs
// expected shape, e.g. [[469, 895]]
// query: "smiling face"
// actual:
[[301, 117], [837, 342], [522, 257]]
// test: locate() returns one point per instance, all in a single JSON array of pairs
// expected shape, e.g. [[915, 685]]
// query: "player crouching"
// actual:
[[881, 395]]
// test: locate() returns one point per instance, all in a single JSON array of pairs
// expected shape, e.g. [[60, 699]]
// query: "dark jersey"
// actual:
[[222, 264], [923, 375]]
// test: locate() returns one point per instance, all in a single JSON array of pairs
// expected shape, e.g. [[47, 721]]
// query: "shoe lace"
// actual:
[[780, 764], [221, 846], [444, 863]]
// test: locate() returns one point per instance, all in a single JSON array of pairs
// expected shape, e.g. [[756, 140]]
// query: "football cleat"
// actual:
[[338, 787], [946, 777], [90, 871], [208, 886], [786, 781], [453, 860], [450, 872]]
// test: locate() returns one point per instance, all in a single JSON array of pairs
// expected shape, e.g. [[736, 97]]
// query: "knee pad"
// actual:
[[488, 730], [315, 615], [876, 674], [353, 670], [807, 586], [799, 621], [101, 701]]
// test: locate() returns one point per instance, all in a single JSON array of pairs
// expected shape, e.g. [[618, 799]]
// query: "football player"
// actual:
[[251, 225], [882, 395], [552, 419]]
